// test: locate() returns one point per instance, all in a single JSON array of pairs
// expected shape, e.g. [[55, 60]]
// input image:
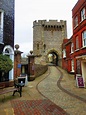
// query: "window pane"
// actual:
[[85, 42], [84, 38], [78, 66], [76, 21], [82, 14], [77, 43], [84, 34], [72, 48], [72, 64]]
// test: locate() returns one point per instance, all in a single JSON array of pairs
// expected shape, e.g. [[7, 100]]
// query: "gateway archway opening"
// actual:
[[53, 58]]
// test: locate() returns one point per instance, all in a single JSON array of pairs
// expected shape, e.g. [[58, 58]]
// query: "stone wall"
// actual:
[[40, 69], [48, 36]]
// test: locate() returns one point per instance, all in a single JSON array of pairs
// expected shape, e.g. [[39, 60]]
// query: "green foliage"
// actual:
[[6, 63]]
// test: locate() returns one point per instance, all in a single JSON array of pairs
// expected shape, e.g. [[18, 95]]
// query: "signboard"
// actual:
[[19, 65], [80, 81]]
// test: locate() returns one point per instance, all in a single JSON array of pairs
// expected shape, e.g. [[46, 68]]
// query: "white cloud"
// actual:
[[27, 11]]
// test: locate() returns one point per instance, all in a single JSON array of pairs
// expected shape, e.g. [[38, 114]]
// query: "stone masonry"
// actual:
[[48, 37]]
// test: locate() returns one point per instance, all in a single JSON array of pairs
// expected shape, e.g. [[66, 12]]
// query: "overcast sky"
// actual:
[[27, 11]]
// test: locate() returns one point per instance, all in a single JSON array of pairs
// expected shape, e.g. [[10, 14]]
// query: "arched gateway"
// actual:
[[52, 57], [47, 40]]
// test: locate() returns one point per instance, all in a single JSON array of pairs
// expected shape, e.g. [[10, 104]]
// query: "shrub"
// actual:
[[6, 63]]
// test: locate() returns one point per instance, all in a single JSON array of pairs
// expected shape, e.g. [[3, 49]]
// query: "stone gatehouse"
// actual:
[[47, 40]]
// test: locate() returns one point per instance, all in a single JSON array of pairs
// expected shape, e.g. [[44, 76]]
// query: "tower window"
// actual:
[[44, 46]]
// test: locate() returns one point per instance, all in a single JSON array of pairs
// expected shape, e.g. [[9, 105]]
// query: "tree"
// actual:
[[6, 63]]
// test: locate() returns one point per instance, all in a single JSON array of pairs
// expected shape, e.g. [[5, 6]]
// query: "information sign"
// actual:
[[19, 65], [80, 81]]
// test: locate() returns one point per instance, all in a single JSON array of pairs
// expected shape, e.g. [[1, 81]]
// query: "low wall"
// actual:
[[7, 84], [40, 69]]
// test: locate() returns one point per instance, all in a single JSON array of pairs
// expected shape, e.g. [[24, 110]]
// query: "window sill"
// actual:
[[71, 52], [76, 26], [64, 57], [79, 23], [72, 72], [77, 50], [82, 20], [83, 47]]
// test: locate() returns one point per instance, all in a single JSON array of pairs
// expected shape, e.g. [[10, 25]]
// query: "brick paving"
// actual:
[[36, 107], [43, 96]]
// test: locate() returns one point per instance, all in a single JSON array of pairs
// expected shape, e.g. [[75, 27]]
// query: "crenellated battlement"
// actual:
[[49, 23]]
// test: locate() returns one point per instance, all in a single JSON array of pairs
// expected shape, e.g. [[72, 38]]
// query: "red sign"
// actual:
[[80, 81]]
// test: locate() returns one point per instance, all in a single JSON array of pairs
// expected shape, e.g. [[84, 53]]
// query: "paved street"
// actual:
[[47, 95], [69, 103]]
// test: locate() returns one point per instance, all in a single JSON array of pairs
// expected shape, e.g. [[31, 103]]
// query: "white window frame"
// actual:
[[1, 25], [82, 14], [72, 65], [72, 47], [84, 38], [64, 53]]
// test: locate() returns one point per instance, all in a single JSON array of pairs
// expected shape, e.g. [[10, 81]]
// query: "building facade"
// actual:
[[75, 47], [7, 32], [47, 40]]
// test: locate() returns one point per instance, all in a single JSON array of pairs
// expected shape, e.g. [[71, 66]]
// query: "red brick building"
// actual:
[[74, 49]]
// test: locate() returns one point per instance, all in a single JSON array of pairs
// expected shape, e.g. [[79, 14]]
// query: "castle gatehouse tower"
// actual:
[[47, 40]]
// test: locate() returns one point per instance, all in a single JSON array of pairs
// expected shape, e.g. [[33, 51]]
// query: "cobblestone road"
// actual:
[[48, 87]]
